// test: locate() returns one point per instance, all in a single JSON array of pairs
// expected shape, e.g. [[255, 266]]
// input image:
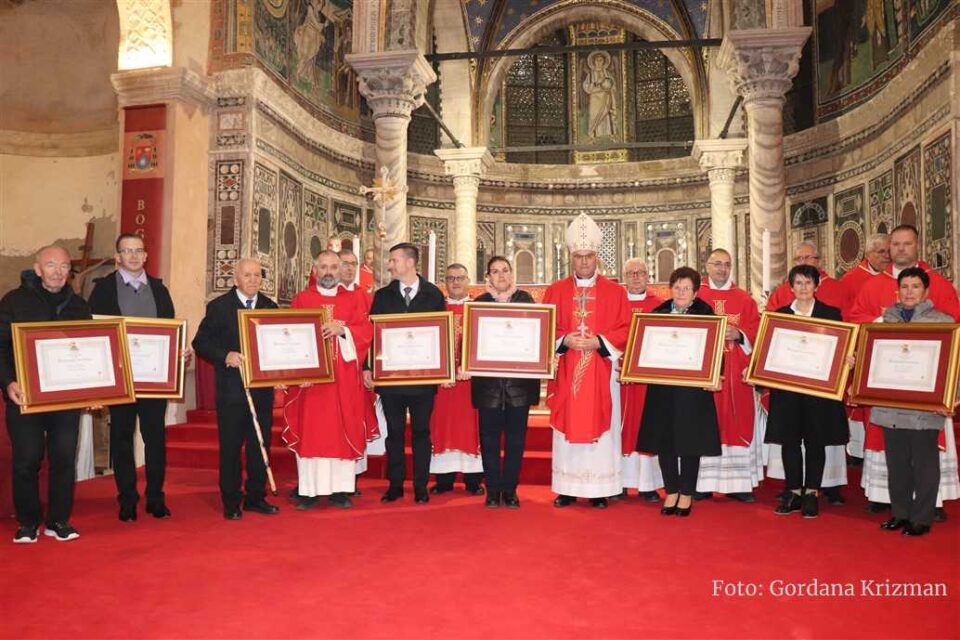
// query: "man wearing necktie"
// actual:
[[408, 292], [218, 340]]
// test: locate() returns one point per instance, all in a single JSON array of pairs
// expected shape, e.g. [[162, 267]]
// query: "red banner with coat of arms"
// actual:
[[141, 206]]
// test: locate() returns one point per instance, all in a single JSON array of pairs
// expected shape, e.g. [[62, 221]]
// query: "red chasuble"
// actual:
[[829, 292], [366, 279], [853, 281], [328, 420], [881, 292], [454, 424], [579, 397], [734, 401], [633, 395]]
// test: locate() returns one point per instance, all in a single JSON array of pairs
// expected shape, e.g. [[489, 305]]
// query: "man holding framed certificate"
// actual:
[[130, 291], [43, 295]]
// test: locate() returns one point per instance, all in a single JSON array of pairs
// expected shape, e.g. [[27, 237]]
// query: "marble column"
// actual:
[[721, 159], [467, 165], [761, 64], [394, 84]]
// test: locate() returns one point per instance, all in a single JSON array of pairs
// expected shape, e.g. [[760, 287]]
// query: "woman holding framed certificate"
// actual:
[[910, 436], [679, 423], [799, 420]]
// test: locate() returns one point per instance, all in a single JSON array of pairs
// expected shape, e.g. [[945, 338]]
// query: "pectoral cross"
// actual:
[[384, 191], [581, 312]]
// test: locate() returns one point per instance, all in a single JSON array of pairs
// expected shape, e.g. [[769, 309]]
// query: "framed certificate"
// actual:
[[284, 346], [509, 340], [156, 347], [678, 350], [908, 366], [412, 348], [72, 364], [805, 355]]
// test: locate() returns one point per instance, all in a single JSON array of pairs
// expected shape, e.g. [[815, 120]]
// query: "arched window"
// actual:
[[524, 261], [661, 106]]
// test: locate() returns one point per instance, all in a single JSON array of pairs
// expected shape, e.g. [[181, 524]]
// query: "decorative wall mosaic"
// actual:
[[848, 225], [609, 254], [704, 234], [228, 212], [289, 223], [938, 198], [908, 207], [262, 236], [486, 247], [420, 228], [525, 248], [315, 230], [809, 213], [881, 203], [666, 248]]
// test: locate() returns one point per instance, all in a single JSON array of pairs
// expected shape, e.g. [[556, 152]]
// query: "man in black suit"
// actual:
[[130, 291], [408, 292], [218, 340]]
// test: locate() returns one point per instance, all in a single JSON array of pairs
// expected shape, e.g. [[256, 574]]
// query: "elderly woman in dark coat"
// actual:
[[910, 436], [679, 424], [799, 420]]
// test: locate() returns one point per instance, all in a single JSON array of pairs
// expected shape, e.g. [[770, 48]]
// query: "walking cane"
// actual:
[[263, 450]]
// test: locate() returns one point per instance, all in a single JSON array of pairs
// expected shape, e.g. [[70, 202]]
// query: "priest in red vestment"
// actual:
[[325, 422], [366, 272], [454, 423], [593, 318], [640, 471], [740, 467], [876, 295], [830, 291]]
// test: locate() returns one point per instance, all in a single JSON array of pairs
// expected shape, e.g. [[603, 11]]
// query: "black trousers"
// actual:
[[679, 473], [470, 480], [236, 431], [123, 423], [802, 471], [395, 409], [57, 432], [913, 473], [510, 424]]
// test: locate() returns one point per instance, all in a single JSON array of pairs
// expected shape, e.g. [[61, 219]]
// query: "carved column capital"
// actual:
[[160, 85], [762, 63], [465, 162], [720, 158], [393, 82]]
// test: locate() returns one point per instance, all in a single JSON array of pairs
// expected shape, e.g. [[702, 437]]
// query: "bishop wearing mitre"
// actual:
[[593, 319]]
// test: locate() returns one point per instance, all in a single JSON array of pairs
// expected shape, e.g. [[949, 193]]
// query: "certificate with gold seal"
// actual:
[[674, 349], [515, 340], [412, 348]]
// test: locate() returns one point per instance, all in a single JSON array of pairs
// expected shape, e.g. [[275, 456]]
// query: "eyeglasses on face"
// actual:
[[634, 273], [456, 278]]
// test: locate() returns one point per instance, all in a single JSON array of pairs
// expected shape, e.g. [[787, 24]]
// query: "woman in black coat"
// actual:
[[503, 404], [679, 424], [797, 418]]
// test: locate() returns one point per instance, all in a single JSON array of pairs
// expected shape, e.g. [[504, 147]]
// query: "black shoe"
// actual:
[[392, 495], [356, 493], [620, 496], [853, 461], [420, 496], [60, 531], [26, 534], [599, 503], [305, 503], [650, 496], [340, 500], [742, 497], [510, 500], [669, 511], [294, 493], [128, 513], [232, 513], [833, 496], [439, 488], [684, 512], [939, 515], [261, 506], [877, 507], [493, 500], [702, 495], [563, 501], [893, 524], [914, 530], [788, 504], [809, 506], [158, 510], [476, 491]]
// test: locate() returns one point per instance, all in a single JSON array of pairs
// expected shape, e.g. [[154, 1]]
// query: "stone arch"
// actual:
[[146, 34], [632, 18], [450, 35], [526, 266], [666, 262]]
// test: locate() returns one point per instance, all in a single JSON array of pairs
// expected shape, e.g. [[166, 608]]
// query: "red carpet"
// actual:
[[453, 569]]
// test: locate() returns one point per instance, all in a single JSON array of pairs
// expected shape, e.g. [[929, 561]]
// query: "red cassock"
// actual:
[[830, 292], [370, 396], [632, 395], [328, 420], [881, 292], [366, 279], [454, 424], [734, 401], [579, 396], [852, 282]]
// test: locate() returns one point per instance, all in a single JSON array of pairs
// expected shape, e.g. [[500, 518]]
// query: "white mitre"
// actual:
[[584, 234]]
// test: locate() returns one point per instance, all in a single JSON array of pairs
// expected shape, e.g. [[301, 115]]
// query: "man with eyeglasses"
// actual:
[[739, 468], [131, 291], [454, 425], [829, 292], [641, 471]]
